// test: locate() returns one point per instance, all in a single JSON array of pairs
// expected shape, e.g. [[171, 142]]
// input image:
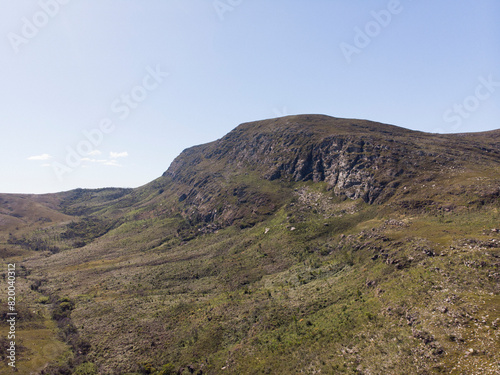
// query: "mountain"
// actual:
[[303, 244]]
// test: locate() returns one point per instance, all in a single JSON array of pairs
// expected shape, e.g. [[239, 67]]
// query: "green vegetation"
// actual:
[[247, 257]]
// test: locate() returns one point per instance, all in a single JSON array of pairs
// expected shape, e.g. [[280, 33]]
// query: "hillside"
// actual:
[[304, 244]]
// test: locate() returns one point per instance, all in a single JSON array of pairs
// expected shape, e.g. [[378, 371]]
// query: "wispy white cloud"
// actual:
[[94, 153], [116, 155], [112, 163], [40, 157], [91, 160]]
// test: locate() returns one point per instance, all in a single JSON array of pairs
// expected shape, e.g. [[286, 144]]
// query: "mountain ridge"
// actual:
[[369, 163], [304, 244]]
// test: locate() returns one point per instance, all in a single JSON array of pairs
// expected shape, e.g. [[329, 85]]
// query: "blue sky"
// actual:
[[106, 93]]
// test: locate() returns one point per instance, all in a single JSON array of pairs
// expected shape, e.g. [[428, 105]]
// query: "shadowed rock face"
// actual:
[[347, 165]]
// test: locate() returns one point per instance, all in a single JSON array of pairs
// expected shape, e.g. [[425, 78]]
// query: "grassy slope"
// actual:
[[253, 300], [314, 283]]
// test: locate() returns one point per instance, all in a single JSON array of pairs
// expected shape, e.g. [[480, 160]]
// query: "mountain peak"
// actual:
[[356, 159], [321, 124]]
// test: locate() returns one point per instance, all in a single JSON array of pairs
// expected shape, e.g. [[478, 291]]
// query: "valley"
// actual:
[[303, 244]]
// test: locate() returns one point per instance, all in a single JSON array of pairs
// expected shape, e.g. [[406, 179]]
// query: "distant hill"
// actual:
[[302, 244]]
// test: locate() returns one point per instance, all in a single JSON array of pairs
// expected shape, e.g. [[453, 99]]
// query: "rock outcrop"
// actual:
[[355, 158]]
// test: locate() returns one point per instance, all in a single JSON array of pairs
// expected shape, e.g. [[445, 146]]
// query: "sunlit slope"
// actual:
[[305, 244]]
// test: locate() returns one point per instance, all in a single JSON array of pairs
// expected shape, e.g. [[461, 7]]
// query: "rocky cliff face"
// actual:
[[355, 158], [349, 165]]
